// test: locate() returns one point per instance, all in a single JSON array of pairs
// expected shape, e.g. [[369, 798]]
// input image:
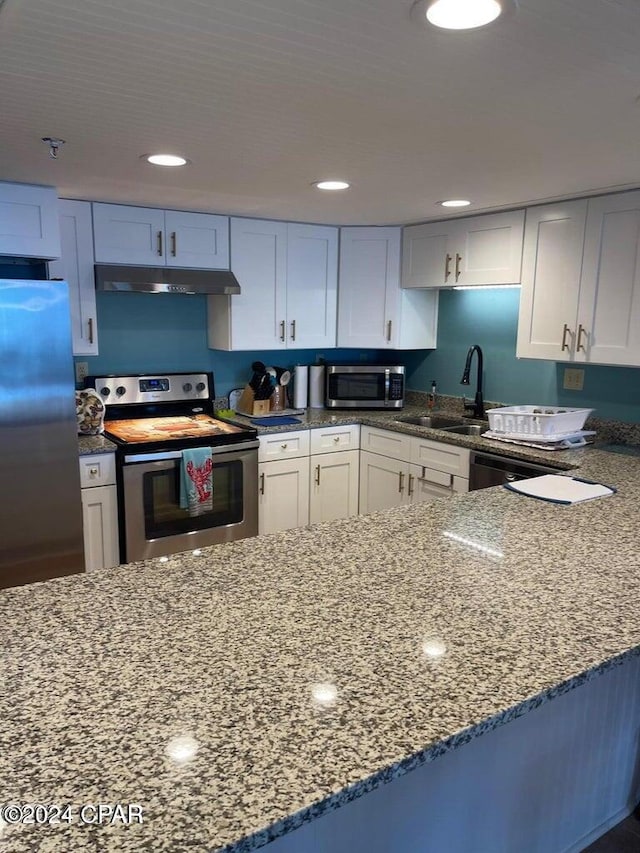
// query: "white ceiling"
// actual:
[[266, 96]]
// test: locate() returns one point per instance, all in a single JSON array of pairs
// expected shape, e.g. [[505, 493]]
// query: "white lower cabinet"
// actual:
[[283, 481], [406, 469], [284, 494], [338, 481], [383, 482], [99, 511]]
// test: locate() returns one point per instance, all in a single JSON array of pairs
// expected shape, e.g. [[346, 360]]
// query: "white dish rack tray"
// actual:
[[541, 421]]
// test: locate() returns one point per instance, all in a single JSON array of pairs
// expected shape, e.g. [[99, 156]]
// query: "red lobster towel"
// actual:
[[196, 481]]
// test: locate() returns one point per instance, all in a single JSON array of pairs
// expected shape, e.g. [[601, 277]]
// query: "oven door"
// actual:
[[153, 522]]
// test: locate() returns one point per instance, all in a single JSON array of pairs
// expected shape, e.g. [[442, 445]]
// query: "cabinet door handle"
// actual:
[[262, 484], [581, 331], [458, 259], [317, 477], [282, 328], [389, 327], [447, 267], [293, 330], [160, 243], [90, 330], [565, 345], [401, 481], [410, 490], [174, 243]]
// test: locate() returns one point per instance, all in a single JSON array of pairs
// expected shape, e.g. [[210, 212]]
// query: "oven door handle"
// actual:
[[177, 454]]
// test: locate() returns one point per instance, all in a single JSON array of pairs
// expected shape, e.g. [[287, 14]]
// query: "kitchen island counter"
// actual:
[[240, 692]]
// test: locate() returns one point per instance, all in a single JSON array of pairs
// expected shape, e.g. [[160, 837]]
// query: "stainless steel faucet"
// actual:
[[477, 407]]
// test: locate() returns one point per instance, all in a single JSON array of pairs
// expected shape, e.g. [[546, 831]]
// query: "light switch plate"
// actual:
[[573, 379]]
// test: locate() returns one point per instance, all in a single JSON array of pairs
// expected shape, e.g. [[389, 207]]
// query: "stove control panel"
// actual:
[[167, 388]]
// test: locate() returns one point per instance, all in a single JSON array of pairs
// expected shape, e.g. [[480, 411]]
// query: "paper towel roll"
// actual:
[[301, 387], [316, 386]]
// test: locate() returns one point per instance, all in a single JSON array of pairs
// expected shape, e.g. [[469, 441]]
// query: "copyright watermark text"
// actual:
[[100, 814]]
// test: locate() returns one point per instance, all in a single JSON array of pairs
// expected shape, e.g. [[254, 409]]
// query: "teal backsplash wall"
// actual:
[[141, 333], [146, 333], [490, 318]]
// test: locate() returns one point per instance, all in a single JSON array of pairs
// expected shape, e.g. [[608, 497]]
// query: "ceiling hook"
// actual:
[[54, 145]]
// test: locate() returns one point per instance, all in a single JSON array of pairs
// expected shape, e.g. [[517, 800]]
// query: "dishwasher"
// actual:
[[487, 469]]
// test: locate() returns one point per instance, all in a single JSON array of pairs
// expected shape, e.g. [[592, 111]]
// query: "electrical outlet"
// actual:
[[82, 370], [573, 379]]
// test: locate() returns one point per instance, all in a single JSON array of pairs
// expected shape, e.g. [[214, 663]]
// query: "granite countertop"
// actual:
[[90, 444], [240, 691]]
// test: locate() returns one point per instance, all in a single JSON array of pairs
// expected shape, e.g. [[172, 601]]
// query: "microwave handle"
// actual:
[[387, 385]]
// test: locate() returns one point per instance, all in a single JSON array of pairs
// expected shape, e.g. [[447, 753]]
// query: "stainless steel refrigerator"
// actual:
[[40, 504]]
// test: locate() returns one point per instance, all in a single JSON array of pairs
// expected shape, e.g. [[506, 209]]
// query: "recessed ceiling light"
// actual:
[[165, 159], [462, 14], [331, 185], [455, 202]]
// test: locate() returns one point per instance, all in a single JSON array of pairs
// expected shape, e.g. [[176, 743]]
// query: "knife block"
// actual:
[[248, 405]]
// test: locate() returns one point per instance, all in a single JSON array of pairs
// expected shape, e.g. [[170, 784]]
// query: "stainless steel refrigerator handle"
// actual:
[[162, 456]]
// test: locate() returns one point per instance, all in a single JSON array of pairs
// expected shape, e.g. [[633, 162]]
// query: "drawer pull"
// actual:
[[336, 439], [581, 331], [93, 472], [284, 446], [458, 259]]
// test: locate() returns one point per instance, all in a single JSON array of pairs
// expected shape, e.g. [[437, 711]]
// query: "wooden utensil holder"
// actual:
[[248, 405]]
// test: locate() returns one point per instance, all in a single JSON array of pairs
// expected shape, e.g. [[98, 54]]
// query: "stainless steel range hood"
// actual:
[[165, 280]]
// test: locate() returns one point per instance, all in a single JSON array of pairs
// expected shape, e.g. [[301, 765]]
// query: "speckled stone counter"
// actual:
[[90, 444], [239, 692]]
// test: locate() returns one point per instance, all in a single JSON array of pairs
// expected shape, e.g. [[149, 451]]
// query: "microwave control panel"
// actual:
[[396, 386]]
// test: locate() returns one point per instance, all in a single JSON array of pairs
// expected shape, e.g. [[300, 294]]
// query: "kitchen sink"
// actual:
[[433, 421], [466, 429]]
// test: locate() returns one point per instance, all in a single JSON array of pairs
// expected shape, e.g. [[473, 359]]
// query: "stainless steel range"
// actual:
[[152, 418]]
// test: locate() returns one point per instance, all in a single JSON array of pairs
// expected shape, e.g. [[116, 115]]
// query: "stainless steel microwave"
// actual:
[[364, 386]]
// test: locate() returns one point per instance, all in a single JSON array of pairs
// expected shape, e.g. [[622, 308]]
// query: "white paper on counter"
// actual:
[[564, 490]]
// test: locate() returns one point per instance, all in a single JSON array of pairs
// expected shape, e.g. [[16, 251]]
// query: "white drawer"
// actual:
[[442, 457], [332, 439], [98, 470], [386, 443], [283, 445]]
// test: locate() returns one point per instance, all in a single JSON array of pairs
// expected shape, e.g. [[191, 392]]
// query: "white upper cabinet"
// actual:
[[479, 250], [373, 311], [581, 282], [76, 266], [312, 285], [197, 240], [149, 237], [551, 269], [29, 221], [288, 279], [608, 323]]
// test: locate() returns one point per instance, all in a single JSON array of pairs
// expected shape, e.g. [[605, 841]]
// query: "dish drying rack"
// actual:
[[543, 427]]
